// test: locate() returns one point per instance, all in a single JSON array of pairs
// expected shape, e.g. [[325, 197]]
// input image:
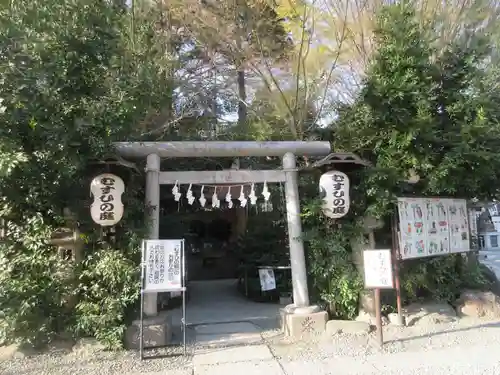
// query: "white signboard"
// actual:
[[267, 279], [378, 269], [107, 208], [334, 190], [163, 268], [432, 226]]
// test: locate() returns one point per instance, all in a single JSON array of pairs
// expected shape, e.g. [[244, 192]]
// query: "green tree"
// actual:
[[74, 77], [426, 111], [236, 34], [358, 19]]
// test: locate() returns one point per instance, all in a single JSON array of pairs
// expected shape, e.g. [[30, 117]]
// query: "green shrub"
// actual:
[[34, 284], [108, 285]]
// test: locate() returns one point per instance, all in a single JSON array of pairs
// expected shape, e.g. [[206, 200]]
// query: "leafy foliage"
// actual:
[[331, 257], [423, 111], [107, 273], [74, 77], [32, 307], [442, 278]]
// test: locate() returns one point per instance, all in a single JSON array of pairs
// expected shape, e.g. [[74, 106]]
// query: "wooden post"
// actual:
[[378, 317], [395, 262], [376, 300]]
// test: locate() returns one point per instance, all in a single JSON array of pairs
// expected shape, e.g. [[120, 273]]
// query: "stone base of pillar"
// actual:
[[299, 322], [157, 332]]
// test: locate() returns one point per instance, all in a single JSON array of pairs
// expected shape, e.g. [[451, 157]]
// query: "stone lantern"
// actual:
[[69, 247]]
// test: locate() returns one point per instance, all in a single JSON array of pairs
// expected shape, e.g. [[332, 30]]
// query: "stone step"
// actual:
[[227, 334]]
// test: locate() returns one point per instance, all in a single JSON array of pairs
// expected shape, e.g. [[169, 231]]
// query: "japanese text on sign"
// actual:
[[163, 265], [107, 208], [378, 269], [334, 190]]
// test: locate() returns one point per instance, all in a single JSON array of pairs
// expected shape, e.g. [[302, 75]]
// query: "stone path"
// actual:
[[466, 347], [218, 301], [243, 333], [460, 348], [257, 360]]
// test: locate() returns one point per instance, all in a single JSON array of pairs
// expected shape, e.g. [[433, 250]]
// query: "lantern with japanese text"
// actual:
[[107, 208], [334, 190]]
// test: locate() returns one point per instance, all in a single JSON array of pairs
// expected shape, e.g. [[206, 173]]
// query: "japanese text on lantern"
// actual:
[[338, 194], [107, 208], [334, 188]]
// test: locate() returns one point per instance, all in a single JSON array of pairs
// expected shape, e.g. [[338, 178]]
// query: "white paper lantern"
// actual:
[[334, 190], [107, 208]]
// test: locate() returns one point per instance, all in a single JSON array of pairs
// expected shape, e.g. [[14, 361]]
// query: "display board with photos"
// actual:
[[432, 226]]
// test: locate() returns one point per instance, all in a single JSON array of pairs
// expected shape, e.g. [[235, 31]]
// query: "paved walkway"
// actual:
[[218, 302], [219, 315], [257, 360]]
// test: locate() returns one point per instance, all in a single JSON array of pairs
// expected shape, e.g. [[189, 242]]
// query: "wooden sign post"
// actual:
[[378, 275]]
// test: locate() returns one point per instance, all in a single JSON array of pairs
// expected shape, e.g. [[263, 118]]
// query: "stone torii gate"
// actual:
[[153, 152]]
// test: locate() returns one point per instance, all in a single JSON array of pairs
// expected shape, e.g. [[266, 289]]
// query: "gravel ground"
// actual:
[[446, 335], [102, 363], [396, 340]]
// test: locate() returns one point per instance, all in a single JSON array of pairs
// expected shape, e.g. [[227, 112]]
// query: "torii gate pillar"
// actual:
[[152, 218], [297, 257]]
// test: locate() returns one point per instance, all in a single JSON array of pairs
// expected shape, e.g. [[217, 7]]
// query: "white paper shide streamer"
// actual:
[[242, 198], [176, 192], [189, 195], [229, 198], [265, 192], [215, 199], [252, 196], [202, 199]]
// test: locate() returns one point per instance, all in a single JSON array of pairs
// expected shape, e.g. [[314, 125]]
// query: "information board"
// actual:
[[267, 279], [432, 226], [378, 269], [163, 266], [163, 269]]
